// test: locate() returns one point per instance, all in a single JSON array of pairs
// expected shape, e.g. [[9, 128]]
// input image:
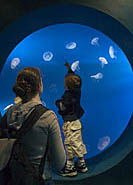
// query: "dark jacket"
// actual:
[[69, 105]]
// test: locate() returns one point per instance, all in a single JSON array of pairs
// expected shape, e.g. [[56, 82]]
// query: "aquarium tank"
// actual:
[[107, 78]]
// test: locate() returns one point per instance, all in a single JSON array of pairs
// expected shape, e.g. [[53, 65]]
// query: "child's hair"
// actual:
[[27, 83], [73, 81]]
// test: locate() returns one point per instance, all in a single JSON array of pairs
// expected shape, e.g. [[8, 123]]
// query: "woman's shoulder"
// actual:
[[48, 113], [48, 118]]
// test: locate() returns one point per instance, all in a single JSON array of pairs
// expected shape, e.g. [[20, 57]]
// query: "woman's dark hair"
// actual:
[[27, 84], [73, 82]]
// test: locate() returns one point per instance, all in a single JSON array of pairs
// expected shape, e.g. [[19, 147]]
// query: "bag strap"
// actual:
[[42, 163], [31, 120], [27, 125]]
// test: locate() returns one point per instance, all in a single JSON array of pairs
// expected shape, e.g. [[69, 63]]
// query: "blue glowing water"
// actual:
[[107, 91]]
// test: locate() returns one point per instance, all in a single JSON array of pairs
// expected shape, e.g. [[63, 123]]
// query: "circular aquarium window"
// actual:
[[107, 78]]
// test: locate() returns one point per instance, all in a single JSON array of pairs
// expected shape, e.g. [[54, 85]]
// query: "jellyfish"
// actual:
[[103, 61], [103, 142], [71, 45], [14, 63], [47, 56], [112, 52], [75, 66], [98, 76], [53, 88], [53, 85], [7, 107], [94, 41]]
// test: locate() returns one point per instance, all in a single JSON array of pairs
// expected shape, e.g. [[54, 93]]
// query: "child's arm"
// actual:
[[60, 105], [65, 104], [68, 67]]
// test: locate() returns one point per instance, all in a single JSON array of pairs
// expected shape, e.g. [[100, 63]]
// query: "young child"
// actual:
[[71, 112]]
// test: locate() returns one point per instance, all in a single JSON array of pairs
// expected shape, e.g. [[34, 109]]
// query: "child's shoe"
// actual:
[[69, 171], [81, 167]]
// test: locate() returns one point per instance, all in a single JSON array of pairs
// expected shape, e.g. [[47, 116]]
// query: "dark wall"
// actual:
[[122, 10]]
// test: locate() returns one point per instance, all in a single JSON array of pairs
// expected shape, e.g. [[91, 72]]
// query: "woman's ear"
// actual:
[[17, 100]]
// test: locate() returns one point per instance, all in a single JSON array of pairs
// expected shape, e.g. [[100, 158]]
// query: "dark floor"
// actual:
[[122, 174]]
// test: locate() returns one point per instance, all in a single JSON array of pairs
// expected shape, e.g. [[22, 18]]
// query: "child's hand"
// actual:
[[57, 103], [67, 65]]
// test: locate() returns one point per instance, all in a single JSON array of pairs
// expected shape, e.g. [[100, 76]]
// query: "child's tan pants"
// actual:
[[73, 139]]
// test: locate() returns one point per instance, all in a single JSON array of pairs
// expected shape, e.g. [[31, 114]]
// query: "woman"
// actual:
[[28, 88]]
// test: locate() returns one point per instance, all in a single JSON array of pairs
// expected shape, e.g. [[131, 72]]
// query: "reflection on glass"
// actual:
[[7, 107]]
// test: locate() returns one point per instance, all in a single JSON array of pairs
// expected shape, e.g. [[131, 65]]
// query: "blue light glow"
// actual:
[[107, 90]]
